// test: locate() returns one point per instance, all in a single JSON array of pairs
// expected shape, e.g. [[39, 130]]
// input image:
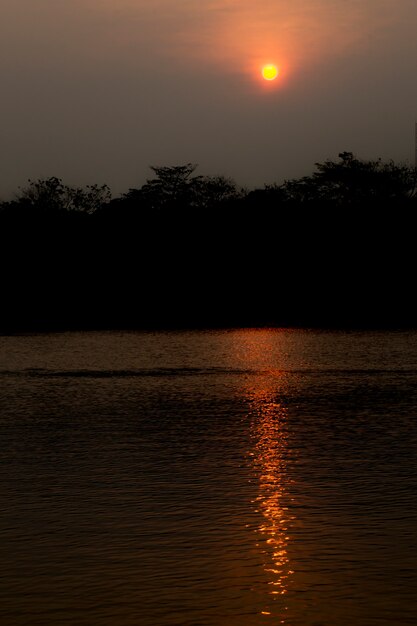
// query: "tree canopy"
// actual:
[[51, 194], [350, 180], [347, 181]]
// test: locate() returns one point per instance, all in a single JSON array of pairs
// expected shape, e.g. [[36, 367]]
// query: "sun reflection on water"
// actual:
[[270, 459]]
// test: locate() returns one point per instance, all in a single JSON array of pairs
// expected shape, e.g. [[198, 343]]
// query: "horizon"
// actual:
[[197, 172]]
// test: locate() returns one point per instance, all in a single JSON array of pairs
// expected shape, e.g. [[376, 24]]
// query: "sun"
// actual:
[[270, 71]]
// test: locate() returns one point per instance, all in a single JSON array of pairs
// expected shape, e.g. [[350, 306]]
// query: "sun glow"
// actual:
[[270, 71]]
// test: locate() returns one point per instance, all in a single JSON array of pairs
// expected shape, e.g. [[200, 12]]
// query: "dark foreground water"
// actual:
[[208, 479]]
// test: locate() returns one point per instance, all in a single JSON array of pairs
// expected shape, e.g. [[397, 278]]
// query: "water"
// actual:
[[220, 478]]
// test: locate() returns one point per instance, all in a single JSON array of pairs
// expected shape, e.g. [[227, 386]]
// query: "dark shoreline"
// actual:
[[335, 250], [63, 329]]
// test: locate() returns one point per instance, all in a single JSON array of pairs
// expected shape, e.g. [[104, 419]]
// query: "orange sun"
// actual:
[[270, 71]]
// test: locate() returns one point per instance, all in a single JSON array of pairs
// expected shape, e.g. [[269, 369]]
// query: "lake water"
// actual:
[[227, 478]]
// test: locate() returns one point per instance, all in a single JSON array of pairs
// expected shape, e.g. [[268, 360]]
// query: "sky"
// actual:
[[96, 91]]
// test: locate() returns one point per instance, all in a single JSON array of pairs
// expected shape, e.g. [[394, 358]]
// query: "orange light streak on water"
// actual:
[[268, 456]]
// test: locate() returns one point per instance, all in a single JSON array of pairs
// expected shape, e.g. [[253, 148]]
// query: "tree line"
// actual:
[[348, 181], [333, 249]]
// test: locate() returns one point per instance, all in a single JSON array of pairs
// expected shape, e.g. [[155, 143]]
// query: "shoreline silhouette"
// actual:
[[331, 250]]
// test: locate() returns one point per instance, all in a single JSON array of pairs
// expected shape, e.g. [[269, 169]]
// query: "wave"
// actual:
[[195, 371], [123, 373]]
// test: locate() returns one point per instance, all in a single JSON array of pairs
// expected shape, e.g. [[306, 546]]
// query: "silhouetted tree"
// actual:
[[172, 186], [351, 180], [175, 187], [91, 198], [211, 191], [51, 194]]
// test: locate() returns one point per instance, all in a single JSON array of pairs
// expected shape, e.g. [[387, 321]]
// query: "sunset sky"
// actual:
[[95, 91]]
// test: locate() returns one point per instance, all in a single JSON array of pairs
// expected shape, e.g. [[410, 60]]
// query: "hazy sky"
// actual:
[[95, 91]]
